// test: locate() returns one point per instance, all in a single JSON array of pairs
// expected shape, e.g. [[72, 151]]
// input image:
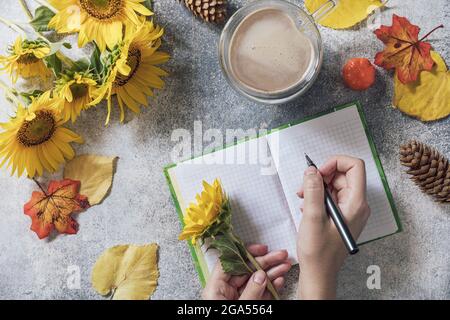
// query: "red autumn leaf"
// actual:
[[404, 50], [52, 209]]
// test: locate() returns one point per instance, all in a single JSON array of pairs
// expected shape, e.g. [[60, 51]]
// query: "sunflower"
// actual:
[[201, 216], [25, 59], [134, 73], [35, 140], [76, 91], [101, 21]]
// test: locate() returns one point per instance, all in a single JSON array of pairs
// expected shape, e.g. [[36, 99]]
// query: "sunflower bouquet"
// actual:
[[123, 66], [209, 219]]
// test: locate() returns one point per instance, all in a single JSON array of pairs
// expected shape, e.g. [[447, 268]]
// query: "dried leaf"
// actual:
[[428, 98], [94, 172], [346, 13], [127, 272], [52, 209], [403, 51]]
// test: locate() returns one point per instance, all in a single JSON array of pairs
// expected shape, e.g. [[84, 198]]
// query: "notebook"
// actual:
[[261, 176]]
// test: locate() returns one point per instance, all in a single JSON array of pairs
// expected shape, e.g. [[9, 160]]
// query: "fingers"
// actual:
[[313, 195], [272, 273], [217, 291], [353, 168], [257, 249], [256, 286], [276, 259], [339, 163], [278, 284], [218, 274], [279, 270], [273, 258], [339, 182]]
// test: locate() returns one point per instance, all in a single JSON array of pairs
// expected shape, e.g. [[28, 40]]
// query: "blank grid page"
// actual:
[[260, 211], [339, 132]]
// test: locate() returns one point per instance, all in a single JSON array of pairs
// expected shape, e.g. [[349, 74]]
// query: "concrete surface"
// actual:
[[414, 264]]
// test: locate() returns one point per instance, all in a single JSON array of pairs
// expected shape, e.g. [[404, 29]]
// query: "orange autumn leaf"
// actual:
[[52, 209], [404, 51]]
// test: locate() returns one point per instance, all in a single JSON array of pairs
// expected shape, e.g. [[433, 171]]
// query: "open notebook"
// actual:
[[262, 175]]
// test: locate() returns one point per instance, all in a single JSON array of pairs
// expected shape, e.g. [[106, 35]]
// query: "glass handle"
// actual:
[[324, 9]]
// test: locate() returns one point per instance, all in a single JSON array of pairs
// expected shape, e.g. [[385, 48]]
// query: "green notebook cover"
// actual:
[[196, 253]]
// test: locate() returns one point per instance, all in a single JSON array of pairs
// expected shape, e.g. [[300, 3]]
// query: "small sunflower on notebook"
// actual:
[[210, 218]]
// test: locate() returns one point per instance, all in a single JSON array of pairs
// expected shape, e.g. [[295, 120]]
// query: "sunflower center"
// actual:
[[27, 58], [133, 60], [79, 90], [38, 130], [102, 9]]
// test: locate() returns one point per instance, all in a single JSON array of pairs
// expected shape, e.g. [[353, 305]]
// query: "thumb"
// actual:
[[255, 287], [314, 195]]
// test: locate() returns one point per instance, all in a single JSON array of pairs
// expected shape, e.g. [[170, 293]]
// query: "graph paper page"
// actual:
[[260, 211], [339, 132]]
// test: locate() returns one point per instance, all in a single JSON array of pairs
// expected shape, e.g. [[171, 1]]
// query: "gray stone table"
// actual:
[[415, 264]]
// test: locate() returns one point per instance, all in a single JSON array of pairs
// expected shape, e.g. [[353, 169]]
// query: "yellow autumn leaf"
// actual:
[[428, 98], [127, 272], [346, 13], [95, 174]]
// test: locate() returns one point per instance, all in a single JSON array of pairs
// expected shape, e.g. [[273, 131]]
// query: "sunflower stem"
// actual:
[[239, 243], [256, 265], [13, 26], [270, 286], [40, 186], [65, 59], [26, 9], [10, 95]]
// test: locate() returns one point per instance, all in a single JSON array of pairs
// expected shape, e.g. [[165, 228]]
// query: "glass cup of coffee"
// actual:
[[271, 50]]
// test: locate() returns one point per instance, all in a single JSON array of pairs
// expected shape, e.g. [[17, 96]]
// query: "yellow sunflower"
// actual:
[[101, 21], [202, 215], [34, 140], [76, 91], [25, 59], [135, 73]]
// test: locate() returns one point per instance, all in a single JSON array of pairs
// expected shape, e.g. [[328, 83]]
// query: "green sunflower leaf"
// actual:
[[96, 63], [54, 63], [81, 65], [27, 96], [42, 17], [231, 255]]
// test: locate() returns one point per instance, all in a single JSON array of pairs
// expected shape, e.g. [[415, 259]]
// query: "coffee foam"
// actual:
[[268, 53]]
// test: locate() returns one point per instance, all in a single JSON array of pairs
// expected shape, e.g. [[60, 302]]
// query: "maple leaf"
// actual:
[[52, 209], [404, 50]]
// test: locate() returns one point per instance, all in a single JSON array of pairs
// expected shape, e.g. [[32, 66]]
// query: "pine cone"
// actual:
[[428, 168], [209, 10]]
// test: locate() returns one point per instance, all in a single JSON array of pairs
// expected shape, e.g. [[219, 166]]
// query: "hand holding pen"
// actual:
[[336, 215], [321, 250]]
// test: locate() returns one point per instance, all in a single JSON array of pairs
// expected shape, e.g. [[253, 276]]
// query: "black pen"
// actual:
[[336, 215]]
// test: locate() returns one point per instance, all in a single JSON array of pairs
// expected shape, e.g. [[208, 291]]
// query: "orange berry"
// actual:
[[358, 73]]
